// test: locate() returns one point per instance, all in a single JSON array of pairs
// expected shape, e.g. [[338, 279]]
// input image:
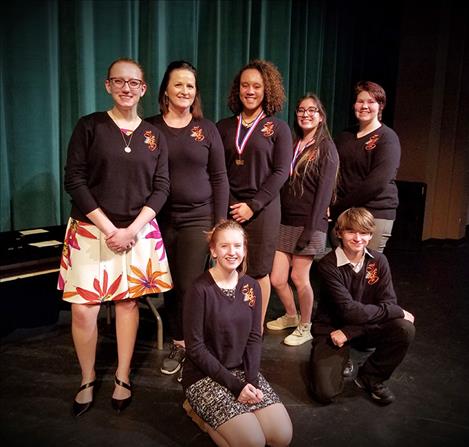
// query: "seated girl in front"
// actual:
[[222, 330]]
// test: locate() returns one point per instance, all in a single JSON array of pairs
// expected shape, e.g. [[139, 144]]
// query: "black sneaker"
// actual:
[[348, 370], [379, 392], [173, 363]]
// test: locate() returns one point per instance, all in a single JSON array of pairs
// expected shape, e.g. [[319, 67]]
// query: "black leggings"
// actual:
[[187, 251]]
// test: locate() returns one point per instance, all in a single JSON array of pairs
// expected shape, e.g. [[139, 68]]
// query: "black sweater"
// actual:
[[368, 169], [222, 333], [309, 209], [99, 173], [267, 158], [353, 301], [197, 171]]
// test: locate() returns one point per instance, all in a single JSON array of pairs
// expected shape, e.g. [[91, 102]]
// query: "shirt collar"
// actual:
[[342, 258]]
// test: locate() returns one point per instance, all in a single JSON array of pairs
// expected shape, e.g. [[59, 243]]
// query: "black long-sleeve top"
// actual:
[[368, 169], [222, 333], [99, 173], [197, 171], [353, 302], [267, 156], [309, 209]]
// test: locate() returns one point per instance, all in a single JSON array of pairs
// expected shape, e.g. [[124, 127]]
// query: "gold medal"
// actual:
[[239, 162]]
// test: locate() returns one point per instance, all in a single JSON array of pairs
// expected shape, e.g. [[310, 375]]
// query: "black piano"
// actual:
[[29, 266]]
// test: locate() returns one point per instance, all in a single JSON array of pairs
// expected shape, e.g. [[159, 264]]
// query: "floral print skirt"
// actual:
[[91, 273]]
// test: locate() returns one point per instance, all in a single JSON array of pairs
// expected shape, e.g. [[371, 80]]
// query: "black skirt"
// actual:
[[262, 232]]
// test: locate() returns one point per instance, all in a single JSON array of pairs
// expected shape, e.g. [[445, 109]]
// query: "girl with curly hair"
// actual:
[[258, 155]]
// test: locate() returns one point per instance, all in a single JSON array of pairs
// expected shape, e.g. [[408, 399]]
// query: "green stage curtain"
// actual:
[[55, 53]]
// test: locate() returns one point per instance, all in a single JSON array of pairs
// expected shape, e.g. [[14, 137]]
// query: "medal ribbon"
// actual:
[[240, 147], [298, 152]]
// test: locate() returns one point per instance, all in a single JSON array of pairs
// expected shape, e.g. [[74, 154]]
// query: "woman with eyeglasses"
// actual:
[[199, 191], [117, 176], [258, 156], [305, 197], [369, 155]]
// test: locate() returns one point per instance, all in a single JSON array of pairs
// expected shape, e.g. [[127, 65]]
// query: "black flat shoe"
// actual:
[[79, 409], [121, 404]]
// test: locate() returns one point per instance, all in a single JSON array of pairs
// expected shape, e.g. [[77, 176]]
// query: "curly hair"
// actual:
[[274, 93]]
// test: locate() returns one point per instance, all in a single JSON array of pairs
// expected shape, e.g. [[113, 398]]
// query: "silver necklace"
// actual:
[[127, 148]]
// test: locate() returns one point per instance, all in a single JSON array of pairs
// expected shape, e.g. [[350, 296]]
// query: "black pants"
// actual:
[[187, 251], [390, 340]]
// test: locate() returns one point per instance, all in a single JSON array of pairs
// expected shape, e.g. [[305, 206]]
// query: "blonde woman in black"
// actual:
[[303, 230]]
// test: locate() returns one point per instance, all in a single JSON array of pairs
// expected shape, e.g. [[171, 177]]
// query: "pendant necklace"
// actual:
[[123, 132], [127, 148]]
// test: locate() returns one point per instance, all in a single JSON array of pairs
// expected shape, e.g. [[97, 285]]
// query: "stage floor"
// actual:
[[40, 375]]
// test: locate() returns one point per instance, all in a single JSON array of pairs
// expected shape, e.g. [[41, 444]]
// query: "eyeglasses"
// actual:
[[309, 111], [133, 84]]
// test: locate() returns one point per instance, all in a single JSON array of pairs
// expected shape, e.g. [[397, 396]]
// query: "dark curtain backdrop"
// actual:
[[55, 54]]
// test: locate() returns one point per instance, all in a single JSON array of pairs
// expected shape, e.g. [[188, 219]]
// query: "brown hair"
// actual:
[[309, 159], [130, 61], [196, 107], [375, 90], [274, 93], [355, 219], [229, 225]]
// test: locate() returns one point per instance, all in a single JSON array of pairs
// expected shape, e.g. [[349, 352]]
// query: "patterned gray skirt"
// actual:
[[289, 235], [216, 404]]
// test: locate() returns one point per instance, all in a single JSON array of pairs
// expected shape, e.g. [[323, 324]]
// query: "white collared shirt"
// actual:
[[343, 260]]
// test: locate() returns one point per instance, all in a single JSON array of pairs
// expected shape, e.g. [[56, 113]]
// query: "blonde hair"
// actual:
[[229, 225], [129, 61], [355, 219]]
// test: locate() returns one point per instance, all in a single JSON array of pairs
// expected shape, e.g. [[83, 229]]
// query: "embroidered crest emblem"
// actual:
[[197, 133], [249, 296], [372, 273], [150, 140], [268, 129], [371, 143]]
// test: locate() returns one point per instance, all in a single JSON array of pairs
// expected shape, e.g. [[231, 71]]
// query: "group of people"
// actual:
[[214, 215]]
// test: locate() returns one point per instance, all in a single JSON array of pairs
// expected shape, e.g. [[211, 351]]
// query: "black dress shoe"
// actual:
[[348, 370], [121, 404], [79, 409]]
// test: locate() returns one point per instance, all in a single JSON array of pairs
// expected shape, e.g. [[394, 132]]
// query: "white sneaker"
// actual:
[[283, 322], [300, 335]]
